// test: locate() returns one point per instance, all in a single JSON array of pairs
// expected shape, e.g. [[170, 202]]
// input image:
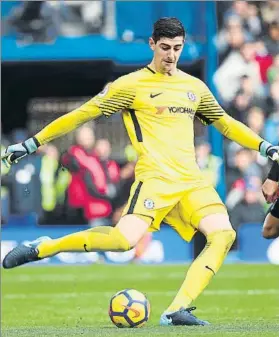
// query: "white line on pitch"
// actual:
[[230, 292], [68, 277]]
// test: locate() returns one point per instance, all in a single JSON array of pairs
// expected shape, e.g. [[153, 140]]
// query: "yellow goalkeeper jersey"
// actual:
[[158, 112]]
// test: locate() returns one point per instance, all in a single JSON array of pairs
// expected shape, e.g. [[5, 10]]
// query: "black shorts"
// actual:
[[274, 209]]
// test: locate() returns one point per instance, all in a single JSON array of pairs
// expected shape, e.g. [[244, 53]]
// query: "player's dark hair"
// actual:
[[167, 27]]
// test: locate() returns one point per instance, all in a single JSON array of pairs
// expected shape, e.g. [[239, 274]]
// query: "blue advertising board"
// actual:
[[165, 246], [253, 247]]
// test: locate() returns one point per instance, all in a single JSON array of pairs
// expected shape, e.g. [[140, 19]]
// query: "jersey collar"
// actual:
[[153, 71]]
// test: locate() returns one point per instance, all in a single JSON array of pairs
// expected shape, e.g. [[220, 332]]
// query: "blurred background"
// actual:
[[58, 54]]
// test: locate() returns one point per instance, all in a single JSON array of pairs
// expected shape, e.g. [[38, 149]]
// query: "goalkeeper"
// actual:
[[158, 104]]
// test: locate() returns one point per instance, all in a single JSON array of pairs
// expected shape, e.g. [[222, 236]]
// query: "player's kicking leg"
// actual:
[[220, 237], [271, 223], [123, 237]]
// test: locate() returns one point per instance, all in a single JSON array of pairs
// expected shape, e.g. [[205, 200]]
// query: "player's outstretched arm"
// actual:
[[57, 128], [241, 134], [68, 123], [113, 98], [210, 112]]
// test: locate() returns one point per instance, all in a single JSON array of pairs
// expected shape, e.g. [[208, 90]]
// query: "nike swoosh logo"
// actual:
[[84, 246], [155, 95], [210, 269], [135, 311]]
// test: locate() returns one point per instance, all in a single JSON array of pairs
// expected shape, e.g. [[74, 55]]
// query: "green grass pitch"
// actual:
[[242, 300]]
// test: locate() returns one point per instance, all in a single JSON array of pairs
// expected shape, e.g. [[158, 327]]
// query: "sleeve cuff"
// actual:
[[264, 147], [32, 144]]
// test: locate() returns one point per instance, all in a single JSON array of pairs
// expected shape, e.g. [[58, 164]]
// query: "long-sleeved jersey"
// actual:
[[158, 112]]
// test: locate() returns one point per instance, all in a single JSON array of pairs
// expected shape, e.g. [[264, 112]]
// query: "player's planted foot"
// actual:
[[182, 317], [23, 253]]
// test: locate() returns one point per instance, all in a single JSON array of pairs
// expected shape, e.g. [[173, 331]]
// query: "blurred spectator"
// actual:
[[250, 209], [54, 183], [238, 9], [271, 40], [209, 164], [50, 162], [239, 106], [246, 86], [243, 165], [23, 181], [111, 168], [273, 100], [273, 71], [269, 10], [235, 66], [272, 128], [232, 36], [244, 99], [264, 59], [253, 21], [77, 18], [24, 185], [93, 15], [248, 14], [33, 22], [85, 137], [255, 120], [92, 177], [35, 184]]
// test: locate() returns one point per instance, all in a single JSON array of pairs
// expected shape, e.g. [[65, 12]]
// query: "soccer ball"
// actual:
[[129, 308]]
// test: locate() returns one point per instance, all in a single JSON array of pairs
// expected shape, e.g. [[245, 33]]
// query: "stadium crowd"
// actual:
[[85, 185], [247, 81], [43, 21], [81, 185]]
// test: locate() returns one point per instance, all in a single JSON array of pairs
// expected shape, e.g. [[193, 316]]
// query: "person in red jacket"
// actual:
[[90, 188], [111, 168]]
